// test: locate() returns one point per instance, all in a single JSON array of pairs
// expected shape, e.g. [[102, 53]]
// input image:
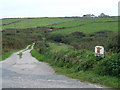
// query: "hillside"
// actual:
[[68, 45]]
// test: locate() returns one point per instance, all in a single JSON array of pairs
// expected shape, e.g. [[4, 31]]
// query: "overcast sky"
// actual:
[[56, 8]]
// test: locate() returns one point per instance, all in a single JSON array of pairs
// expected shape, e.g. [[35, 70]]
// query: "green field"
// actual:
[[86, 25], [83, 21], [6, 21], [90, 28], [33, 22]]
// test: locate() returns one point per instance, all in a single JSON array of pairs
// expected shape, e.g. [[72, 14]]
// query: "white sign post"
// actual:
[[99, 51]]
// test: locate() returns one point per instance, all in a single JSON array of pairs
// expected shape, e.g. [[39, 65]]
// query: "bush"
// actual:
[[114, 45], [109, 66], [56, 37], [86, 62], [78, 34], [41, 46], [80, 60]]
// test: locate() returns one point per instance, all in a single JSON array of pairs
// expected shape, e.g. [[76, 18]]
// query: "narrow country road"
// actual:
[[27, 72]]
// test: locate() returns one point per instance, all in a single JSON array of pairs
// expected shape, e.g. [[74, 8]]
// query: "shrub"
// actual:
[[41, 46], [56, 37], [86, 62], [109, 66], [78, 34], [114, 45]]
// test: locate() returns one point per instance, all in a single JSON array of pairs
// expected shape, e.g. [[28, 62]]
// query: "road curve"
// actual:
[[27, 72]]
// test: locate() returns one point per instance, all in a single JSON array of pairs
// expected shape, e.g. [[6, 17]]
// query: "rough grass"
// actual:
[[8, 54], [85, 76], [89, 76], [37, 55], [56, 48]]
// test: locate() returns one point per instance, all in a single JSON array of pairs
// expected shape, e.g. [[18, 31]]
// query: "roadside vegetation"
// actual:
[[80, 64], [20, 54], [8, 54], [68, 45]]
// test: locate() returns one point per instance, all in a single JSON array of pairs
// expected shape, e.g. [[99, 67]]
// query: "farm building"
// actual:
[[89, 16], [103, 15]]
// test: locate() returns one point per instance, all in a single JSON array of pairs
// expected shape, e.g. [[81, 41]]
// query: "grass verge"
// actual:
[[7, 54], [88, 76]]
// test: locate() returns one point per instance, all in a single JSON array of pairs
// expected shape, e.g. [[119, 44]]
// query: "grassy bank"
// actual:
[[87, 75], [8, 54]]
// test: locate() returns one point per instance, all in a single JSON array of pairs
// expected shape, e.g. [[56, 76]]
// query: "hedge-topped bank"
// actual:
[[64, 56]]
